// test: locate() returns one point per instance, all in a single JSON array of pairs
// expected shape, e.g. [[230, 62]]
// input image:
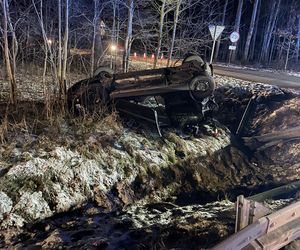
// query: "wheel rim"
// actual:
[[200, 87]]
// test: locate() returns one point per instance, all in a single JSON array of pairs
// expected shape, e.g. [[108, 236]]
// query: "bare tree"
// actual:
[[10, 66], [269, 30], [298, 39], [48, 56], [237, 24], [128, 40], [96, 24], [62, 48], [288, 51], [59, 58], [254, 38], [114, 33], [176, 15], [162, 12], [222, 23], [65, 50], [251, 29]]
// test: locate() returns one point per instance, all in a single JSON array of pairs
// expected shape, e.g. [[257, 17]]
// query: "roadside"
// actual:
[[279, 79]]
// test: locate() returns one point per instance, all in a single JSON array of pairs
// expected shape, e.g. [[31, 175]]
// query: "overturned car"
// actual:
[[178, 96]]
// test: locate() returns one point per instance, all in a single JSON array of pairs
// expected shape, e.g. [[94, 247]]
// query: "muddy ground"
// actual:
[[100, 183]]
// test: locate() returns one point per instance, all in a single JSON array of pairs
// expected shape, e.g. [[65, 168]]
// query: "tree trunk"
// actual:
[[65, 50], [288, 52], [128, 40], [46, 53], [237, 24], [113, 35], [223, 23], [281, 49], [9, 69], [160, 32], [250, 32], [269, 31], [59, 59], [272, 49], [47, 43], [98, 41], [95, 29], [273, 26], [14, 44], [177, 12], [92, 69], [117, 34], [252, 49], [298, 40]]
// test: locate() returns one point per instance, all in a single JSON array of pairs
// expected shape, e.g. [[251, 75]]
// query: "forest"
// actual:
[[66, 36]]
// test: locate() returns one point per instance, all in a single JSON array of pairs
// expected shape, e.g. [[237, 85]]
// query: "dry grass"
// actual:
[[3, 129], [30, 127]]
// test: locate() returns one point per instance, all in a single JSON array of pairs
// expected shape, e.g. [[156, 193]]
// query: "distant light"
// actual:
[[152, 56], [135, 55], [113, 47], [49, 41], [162, 56], [145, 55]]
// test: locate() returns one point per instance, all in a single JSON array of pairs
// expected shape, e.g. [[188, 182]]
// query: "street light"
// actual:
[[113, 47]]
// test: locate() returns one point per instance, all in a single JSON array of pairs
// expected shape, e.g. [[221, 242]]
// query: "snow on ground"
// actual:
[[42, 181], [30, 85], [293, 73]]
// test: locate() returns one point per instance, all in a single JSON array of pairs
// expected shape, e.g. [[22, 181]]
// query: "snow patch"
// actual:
[[33, 206], [5, 205]]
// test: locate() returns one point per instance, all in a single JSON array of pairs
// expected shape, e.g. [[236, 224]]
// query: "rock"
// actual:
[[32, 206], [13, 220], [101, 199], [5, 205], [125, 193], [54, 240]]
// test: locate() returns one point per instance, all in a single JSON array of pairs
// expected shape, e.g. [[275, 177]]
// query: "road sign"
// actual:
[[216, 31], [232, 47], [234, 37]]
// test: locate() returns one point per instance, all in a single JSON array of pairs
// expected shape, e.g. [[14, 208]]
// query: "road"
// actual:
[[275, 78], [279, 79]]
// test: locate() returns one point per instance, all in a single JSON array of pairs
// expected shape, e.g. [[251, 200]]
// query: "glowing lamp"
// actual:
[[113, 47]]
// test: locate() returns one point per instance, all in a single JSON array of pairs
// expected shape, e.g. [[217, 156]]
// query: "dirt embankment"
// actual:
[[50, 167]]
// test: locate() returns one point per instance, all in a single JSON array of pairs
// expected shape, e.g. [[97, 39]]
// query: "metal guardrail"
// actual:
[[257, 228]]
